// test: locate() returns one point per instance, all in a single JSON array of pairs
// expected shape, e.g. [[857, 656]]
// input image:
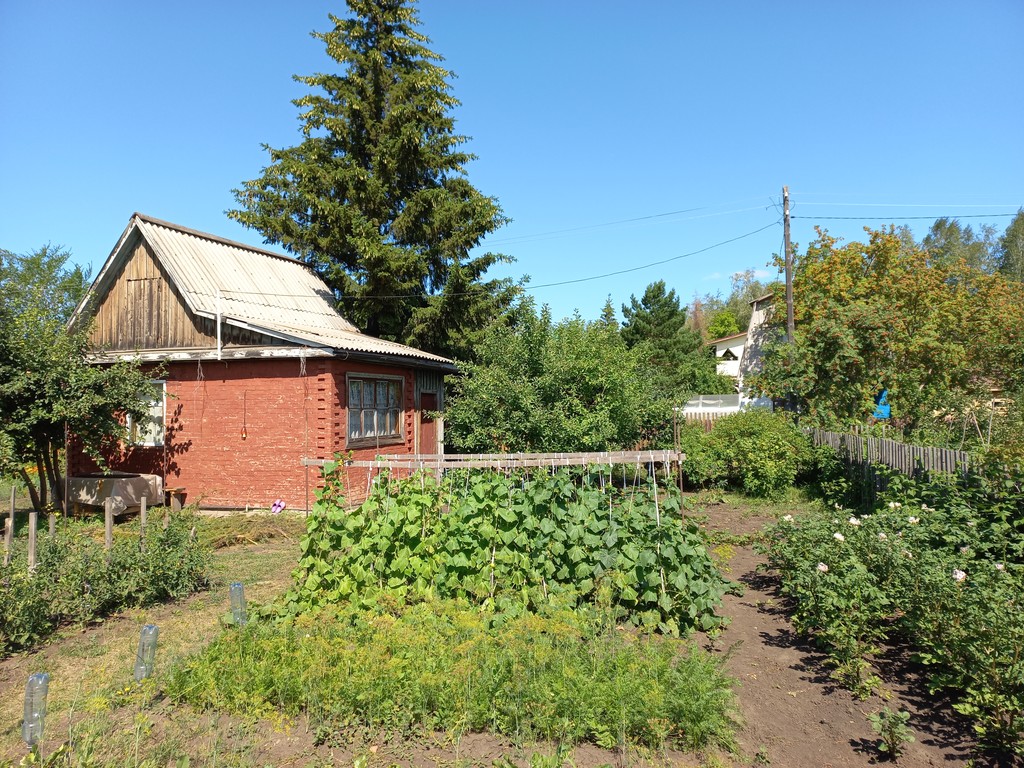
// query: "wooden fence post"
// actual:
[[33, 521], [108, 520], [9, 533], [142, 524]]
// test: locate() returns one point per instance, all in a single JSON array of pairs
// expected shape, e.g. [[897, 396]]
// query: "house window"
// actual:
[[374, 410], [150, 431]]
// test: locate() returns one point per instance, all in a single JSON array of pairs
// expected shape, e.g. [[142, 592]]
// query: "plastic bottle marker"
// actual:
[[35, 708], [146, 656], [238, 610]]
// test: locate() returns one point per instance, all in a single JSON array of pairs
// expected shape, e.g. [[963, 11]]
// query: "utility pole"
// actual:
[[790, 323]]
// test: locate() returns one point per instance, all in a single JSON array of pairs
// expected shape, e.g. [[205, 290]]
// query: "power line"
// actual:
[[570, 230], [653, 263], [547, 285], [909, 218]]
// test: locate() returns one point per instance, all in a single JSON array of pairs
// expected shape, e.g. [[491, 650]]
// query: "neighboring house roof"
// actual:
[[727, 338], [249, 288]]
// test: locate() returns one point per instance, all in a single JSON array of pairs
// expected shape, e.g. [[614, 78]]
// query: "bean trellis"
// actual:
[[511, 539]]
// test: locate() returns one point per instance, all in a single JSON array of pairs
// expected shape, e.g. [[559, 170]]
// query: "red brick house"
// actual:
[[260, 371]]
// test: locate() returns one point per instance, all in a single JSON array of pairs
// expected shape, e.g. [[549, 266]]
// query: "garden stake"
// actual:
[[146, 657], [238, 610], [33, 518], [35, 708], [108, 523], [142, 524], [9, 533]]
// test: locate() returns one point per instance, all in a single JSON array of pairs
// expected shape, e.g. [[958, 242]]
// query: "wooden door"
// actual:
[[428, 427]]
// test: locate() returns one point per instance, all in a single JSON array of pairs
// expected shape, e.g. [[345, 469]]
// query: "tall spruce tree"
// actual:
[[375, 197]]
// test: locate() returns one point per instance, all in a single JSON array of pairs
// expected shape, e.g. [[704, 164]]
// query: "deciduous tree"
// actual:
[[545, 386], [47, 387], [375, 197], [1010, 254], [879, 315]]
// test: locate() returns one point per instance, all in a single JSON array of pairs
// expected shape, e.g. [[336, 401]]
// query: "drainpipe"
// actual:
[[218, 325]]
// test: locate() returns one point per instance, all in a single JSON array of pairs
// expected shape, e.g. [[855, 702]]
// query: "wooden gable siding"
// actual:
[[143, 310]]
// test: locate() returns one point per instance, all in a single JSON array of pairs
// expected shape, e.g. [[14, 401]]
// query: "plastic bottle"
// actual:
[[238, 609], [146, 657], [35, 708]]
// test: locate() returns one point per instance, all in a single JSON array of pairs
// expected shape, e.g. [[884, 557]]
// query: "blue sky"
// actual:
[[614, 135]]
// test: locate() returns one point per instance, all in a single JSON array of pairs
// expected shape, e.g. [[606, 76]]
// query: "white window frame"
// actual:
[[151, 433], [377, 423]]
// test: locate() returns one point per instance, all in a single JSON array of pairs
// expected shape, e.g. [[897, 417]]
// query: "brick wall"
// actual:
[[288, 410]]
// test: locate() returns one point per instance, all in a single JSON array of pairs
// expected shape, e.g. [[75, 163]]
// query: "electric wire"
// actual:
[[546, 285], [906, 218]]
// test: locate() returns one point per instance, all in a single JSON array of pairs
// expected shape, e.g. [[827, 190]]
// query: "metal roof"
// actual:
[[250, 288]]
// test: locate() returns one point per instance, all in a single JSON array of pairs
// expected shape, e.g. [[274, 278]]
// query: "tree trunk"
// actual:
[[41, 475], [58, 479], [32, 492], [53, 476]]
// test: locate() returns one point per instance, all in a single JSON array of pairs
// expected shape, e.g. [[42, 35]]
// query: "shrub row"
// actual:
[[568, 676], [512, 543], [939, 565], [77, 580], [757, 452]]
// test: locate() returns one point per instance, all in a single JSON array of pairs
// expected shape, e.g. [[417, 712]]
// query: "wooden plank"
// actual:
[[33, 522], [108, 523], [143, 514], [9, 532]]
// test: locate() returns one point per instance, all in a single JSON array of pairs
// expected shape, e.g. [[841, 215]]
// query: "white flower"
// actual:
[[838, 506], [970, 523], [838, 537], [908, 554], [822, 567], [895, 505], [854, 521], [882, 536], [913, 520], [959, 575], [964, 550], [1000, 567], [926, 508], [787, 518]]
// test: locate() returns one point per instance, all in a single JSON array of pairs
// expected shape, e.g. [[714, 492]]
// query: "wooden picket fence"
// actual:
[[864, 456], [910, 460], [33, 524]]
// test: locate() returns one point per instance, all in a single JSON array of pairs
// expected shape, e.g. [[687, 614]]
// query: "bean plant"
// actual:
[[512, 542]]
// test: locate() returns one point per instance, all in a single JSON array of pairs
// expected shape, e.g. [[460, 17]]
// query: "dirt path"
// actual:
[[794, 713]]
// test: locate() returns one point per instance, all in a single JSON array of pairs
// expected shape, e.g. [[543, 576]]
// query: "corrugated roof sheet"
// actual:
[[258, 289]]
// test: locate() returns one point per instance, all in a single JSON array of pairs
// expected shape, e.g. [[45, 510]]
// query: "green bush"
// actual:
[[566, 676], [76, 580], [757, 452], [511, 543]]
